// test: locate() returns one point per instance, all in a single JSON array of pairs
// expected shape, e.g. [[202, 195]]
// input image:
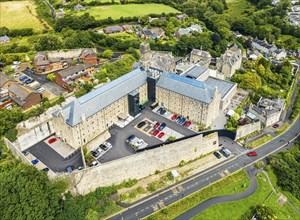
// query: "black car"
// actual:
[[95, 153], [103, 147], [130, 138], [217, 155], [141, 124], [178, 119], [162, 126], [163, 111], [159, 110], [46, 169]]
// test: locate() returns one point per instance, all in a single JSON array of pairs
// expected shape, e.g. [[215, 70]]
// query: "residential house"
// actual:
[[200, 56], [4, 39], [294, 18], [230, 61], [128, 28], [79, 7], [67, 77], [268, 111], [279, 54], [59, 14], [88, 56], [5, 82], [263, 46], [113, 29], [188, 30], [24, 96], [154, 33]]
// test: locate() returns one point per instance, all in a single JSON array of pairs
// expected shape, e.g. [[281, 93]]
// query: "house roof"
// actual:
[[40, 56], [78, 7], [96, 100], [195, 72], [4, 38], [42, 62], [201, 53], [112, 29], [4, 79], [224, 86], [21, 91], [74, 69], [186, 87]]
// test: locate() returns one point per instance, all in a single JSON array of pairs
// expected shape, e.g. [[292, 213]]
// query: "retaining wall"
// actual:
[[248, 129], [143, 164]]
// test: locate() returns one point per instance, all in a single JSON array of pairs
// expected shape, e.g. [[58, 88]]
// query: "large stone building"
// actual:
[[230, 61]]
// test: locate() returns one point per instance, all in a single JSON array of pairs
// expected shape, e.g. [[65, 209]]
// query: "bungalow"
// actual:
[[24, 96], [113, 29], [181, 17], [88, 56], [4, 39], [79, 7], [154, 33], [67, 77], [127, 28]]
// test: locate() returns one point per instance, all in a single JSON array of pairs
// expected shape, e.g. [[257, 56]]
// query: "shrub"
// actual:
[[11, 134], [259, 164], [182, 163]]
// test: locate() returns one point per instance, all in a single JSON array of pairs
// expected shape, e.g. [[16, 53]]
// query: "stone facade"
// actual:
[[143, 164], [198, 112], [248, 129]]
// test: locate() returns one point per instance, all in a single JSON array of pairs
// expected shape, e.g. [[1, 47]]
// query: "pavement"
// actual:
[[221, 199], [119, 135], [159, 200]]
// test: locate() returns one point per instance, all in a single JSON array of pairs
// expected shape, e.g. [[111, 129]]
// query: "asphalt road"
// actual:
[[184, 188], [221, 199]]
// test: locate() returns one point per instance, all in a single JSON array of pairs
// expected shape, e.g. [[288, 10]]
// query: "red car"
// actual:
[[252, 154], [51, 140], [174, 117], [161, 134], [187, 124], [155, 132], [156, 125], [276, 126]]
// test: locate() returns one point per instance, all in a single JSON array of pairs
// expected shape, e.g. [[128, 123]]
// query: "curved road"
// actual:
[[221, 199], [184, 188]]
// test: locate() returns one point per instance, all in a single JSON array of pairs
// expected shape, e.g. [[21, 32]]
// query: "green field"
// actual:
[[19, 14], [130, 10], [237, 7], [234, 210]]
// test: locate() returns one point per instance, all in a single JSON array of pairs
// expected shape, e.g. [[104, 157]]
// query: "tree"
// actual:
[[265, 213], [107, 54], [51, 77], [48, 42], [244, 25]]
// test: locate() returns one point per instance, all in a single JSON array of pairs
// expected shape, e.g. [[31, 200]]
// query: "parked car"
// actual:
[[95, 153], [140, 142], [41, 90], [155, 132], [25, 153], [34, 162], [23, 78], [178, 119], [141, 124], [107, 144], [103, 147], [217, 155], [156, 125], [130, 138], [99, 150], [80, 168], [252, 154], [161, 134], [94, 163], [159, 110], [182, 120], [225, 152], [69, 169], [28, 81], [162, 112], [187, 124], [174, 117], [17, 75], [276, 126], [16, 62], [46, 169], [52, 140], [162, 126], [37, 88]]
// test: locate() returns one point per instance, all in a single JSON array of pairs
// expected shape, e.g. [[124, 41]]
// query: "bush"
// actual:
[[182, 163], [259, 164], [11, 134]]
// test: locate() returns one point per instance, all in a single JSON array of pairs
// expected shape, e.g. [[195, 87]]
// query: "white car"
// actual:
[[107, 144], [16, 62], [17, 75], [140, 142], [15, 66], [99, 150], [40, 90], [95, 163]]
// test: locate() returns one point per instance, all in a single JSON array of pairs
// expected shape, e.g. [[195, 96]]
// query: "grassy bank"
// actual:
[[260, 141]]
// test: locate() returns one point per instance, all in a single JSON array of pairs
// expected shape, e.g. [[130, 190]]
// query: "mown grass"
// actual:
[[234, 210], [229, 185], [130, 10], [236, 7], [16, 14], [283, 128], [260, 141]]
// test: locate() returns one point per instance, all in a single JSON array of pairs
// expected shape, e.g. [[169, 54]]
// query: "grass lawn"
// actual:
[[283, 128], [237, 7], [19, 14], [260, 141], [225, 186], [234, 210], [130, 10]]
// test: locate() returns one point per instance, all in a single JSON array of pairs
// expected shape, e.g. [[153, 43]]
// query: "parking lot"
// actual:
[[119, 135], [52, 159]]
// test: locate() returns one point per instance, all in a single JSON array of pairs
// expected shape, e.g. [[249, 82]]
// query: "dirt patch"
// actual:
[[282, 199]]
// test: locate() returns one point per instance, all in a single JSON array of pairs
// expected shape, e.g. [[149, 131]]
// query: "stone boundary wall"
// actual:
[[73, 53], [248, 129], [142, 164], [15, 151]]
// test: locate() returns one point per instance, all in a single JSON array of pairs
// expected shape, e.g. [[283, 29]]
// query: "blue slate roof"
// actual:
[[186, 87], [223, 86], [195, 72], [102, 97]]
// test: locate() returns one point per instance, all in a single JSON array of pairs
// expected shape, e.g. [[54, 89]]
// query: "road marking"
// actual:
[[155, 208], [174, 191], [180, 188], [161, 204]]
